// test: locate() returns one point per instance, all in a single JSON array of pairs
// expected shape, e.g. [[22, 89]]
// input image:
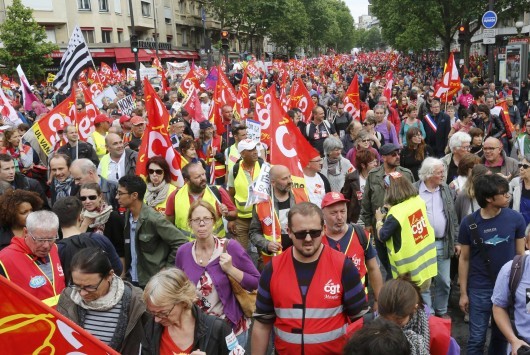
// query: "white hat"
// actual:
[[246, 144], [204, 95]]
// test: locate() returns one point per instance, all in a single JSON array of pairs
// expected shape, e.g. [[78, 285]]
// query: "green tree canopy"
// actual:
[[24, 42]]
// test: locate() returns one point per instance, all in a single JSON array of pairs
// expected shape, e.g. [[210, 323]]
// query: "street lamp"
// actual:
[[519, 26]]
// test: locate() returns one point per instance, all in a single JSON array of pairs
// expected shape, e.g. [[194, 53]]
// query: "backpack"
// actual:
[[236, 166], [516, 273], [359, 231]]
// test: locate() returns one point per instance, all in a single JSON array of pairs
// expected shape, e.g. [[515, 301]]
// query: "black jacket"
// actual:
[[493, 127], [25, 183], [209, 335], [85, 150]]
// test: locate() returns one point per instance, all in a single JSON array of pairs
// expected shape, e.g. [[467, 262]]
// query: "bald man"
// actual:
[[119, 161], [497, 161], [269, 232]]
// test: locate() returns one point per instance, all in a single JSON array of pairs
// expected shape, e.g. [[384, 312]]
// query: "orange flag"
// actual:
[[300, 98], [28, 326], [156, 139], [352, 102], [242, 100]]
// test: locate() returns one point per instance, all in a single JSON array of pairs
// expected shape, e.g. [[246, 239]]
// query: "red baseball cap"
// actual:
[[124, 119], [102, 118], [332, 198], [137, 120]]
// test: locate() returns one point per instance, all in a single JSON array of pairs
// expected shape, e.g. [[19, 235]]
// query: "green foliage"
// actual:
[[291, 30], [369, 39], [24, 42]]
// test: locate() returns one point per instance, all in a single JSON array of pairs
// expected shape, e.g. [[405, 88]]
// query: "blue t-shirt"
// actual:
[[499, 234], [502, 295]]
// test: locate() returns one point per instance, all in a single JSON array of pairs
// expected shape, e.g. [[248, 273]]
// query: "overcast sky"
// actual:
[[357, 8]]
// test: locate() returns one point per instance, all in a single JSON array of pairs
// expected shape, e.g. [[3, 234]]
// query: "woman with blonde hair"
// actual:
[[178, 325]]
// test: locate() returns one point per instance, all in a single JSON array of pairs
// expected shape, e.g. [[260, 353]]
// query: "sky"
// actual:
[[357, 8]]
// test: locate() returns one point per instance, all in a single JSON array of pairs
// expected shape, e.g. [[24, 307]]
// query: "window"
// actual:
[[168, 21], [50, 35], [117, 6], [103, 6], [120, 36], [106, 36], [83, 4], [169, 39], [184, 38], [146, 9], [89, 36], [182, 7]]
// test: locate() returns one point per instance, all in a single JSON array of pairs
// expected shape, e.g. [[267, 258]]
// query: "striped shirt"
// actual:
[[102, 324]]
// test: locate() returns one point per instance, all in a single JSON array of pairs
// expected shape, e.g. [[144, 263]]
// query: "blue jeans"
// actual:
[[479, 315], [242, 339], [442, 281]]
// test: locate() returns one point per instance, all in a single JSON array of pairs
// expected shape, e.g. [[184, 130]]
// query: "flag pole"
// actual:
[[76, 122], [95, 69]]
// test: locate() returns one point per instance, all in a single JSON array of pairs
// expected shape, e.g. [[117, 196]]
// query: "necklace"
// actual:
[[200, 258]]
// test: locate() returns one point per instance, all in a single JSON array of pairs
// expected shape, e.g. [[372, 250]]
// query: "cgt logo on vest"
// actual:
[[332, 290], [418, 226]]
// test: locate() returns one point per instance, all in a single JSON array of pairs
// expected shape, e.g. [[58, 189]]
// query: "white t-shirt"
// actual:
[[315, 188]]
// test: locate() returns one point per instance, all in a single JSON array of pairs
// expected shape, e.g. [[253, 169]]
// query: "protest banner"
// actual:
[[126, 105]]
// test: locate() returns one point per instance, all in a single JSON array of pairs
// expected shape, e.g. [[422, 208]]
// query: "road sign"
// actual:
[[489, 19], [488, 40], [489, 32]]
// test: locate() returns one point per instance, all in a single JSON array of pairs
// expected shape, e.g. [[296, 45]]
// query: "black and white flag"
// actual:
[[74, 60]]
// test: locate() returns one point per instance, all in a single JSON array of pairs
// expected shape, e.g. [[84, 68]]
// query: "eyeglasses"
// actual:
[[505, 194], [89, 288], [43, 240], [91, 198], [119, 193], [313, 233], [365, 140], [162, 315], [156, 171], [524, 166], [204, 220], [467, 147]]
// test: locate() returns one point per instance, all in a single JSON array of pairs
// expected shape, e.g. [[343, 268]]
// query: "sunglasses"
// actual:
[[156, 171], [313, 233], [524, 166], [91, 197]]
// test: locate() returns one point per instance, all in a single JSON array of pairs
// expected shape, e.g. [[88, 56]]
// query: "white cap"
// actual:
[[246, 144]]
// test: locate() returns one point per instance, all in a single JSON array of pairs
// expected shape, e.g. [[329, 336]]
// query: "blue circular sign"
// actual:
[[489, 19]]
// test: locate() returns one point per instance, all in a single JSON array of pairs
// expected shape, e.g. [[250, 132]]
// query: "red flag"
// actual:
[[192, 78], [352, 102], [92, 75], [156, 139], [215, 116], [156, 64], [165, 87], [450, 84], [263, 114], [192, 104], [242, 100], [85, 119], [28, 326], [288, 146], [105, 74], [300, 98], [228, 94], [387, 92]]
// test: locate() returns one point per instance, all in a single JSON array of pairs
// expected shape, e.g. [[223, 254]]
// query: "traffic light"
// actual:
[[225, 39], [134, 43], [462, 34]]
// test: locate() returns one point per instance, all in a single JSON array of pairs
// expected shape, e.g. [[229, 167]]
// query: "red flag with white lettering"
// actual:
[[352, 102], [192, 104], [450, 84], [227, 91], [215, 116], [242, 100], [192, 78], [300, 98], [387, 92], [156, 139], [28, 326]]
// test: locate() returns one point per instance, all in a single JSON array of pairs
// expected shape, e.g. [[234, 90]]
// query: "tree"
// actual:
[[24, 42], [290, 30]]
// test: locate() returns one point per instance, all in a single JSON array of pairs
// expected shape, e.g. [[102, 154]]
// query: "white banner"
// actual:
[[175, 69], [107, 94], [260, 191], [126, 105], [149, 72], [253, 130]]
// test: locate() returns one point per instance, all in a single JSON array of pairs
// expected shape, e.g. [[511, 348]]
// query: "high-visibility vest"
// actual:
[[241, 184], [182, 208], [233, 157], [161, 207], [104, 163], [263, 209], [220, 168], [354, 251], [417, 255], [316, 323], [24, 272], [99, 142]]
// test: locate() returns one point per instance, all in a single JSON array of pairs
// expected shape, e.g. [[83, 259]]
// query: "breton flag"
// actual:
[[74, 60]]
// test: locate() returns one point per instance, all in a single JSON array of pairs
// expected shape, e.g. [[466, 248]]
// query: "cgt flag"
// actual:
[[156, 139], [242, 101], [352, 102], [450, 84], [301, 99], [28, 326]]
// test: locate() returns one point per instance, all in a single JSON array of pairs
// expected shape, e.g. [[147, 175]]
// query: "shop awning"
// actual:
[[94, 52]]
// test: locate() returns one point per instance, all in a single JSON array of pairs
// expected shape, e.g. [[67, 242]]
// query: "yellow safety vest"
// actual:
[[241, 184], [182, 208], [417, 255], [104, 162], [233, 157], [99, 142], [161, 207]]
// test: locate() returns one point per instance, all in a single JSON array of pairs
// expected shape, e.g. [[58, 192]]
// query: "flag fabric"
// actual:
[[214, 115], [450, 84], [242, 100], [105, 74], [300, 98], [156, 64], [6, 83], [352, 102], [191, 79], [8, 112], [28, 326], [262, 112], [211, 79], [228, 93], [192, 104], [131, 74], [74, 60], [387, 92], [27, 95], [156, 139]]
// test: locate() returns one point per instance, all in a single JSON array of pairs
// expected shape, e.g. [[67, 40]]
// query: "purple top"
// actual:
[[390, 137], [240, 259]]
